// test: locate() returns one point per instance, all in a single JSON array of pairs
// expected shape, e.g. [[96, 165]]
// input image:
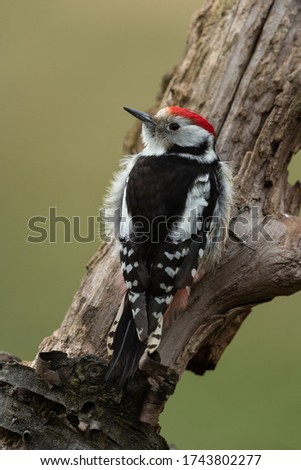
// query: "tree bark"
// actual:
[[241, 70]]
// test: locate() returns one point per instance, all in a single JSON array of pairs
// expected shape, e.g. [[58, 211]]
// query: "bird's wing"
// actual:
[[174, 262], [177, 260], [134, 269]]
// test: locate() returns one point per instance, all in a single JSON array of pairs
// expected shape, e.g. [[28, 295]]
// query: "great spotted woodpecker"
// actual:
[[171, 203]]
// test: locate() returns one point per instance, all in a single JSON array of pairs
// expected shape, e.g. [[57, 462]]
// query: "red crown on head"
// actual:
[[194, 117]]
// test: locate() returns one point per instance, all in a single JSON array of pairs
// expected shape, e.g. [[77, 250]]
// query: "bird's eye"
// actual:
[[174, 126]]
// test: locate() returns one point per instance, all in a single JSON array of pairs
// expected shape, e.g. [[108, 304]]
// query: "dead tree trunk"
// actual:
[[242, 70]]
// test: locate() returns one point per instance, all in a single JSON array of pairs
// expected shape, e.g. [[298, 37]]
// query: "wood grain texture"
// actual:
[[242, 71], [68, 405]]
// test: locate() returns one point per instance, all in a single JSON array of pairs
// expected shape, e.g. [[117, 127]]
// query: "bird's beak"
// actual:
[[144, 117]]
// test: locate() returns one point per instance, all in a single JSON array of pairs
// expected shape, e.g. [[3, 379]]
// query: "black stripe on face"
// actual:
[[195, 151]]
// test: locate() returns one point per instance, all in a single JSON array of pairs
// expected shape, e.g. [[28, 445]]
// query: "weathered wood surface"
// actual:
[[242, 71], [68, 405]]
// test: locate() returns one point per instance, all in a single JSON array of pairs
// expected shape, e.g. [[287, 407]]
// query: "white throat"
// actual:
[[153, 148]]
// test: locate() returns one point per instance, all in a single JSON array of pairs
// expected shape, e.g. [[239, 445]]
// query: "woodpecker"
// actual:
[[171, 203]]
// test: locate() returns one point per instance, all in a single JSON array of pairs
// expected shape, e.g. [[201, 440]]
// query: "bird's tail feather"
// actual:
[[127, 348]]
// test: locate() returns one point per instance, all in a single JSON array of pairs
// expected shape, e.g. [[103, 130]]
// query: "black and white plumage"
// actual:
[[171, 205]]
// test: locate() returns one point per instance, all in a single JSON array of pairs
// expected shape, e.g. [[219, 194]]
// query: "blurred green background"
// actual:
[[67, 68]]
